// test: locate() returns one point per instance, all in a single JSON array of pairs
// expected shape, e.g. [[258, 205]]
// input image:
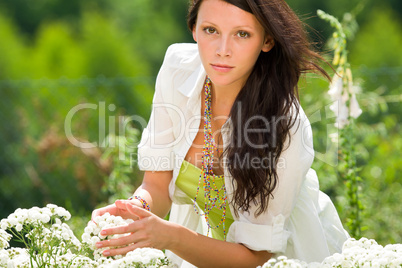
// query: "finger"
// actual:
[[122, 206], [124, 229], [100, 211], [140, 212], [119, 251], [117, 242]]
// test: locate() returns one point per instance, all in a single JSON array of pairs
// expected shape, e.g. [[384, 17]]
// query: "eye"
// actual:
[[209, 30], [243, 34]]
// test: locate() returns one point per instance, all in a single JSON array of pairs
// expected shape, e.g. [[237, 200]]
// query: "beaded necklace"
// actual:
[[207, 176]]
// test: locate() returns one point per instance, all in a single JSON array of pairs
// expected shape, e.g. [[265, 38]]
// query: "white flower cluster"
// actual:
[[140, 257], [4, 238], [341, 96], [284, 262], [40, 229], [20, 258], [14, 257], [366, 253], [363, 253], [62, 234], [72, 260], [42, 225], [33, 216], [92, 234], [51, 243]]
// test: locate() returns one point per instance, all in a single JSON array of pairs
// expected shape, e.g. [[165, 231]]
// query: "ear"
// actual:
[[194, 33], [268, 44]]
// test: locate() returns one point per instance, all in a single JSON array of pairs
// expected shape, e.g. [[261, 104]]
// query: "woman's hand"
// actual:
[[119, 208], [147, 231]]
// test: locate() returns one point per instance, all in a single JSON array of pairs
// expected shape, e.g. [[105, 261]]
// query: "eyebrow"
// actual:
[[236, 27]]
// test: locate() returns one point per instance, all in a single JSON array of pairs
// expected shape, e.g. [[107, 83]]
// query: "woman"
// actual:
[[228, 149]]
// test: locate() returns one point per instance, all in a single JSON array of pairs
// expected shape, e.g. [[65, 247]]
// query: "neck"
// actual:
[[223, 97]]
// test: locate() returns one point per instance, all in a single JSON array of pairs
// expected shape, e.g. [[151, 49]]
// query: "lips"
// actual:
[[222, 67]]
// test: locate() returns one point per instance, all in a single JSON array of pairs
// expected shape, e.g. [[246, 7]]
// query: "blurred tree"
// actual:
[[383, 33], [57, 71], [29, 16], [375, 55], [12, 49], [56, 53], [12, 52], [151, 25]]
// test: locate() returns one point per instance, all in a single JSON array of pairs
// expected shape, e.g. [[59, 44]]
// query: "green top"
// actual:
[[187, 181]]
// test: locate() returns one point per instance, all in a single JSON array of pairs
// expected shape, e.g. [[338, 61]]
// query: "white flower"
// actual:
[[340, 96], [315, 265], [51, 206], [44, 218], [95, 239], [341, 111], [141, 257], [86, 238], [4, 224], [18, 227], [34, 215], [18, 257], [355, 110], [13, 220], [89, 229], [336, 88], [4, 258], [4, 239], [61, 212]]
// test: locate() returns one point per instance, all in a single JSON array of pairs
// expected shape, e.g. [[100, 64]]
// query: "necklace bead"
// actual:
[[207, 177]]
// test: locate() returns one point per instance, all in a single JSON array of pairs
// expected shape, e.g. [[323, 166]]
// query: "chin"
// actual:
[[223, 80], [220, 82]]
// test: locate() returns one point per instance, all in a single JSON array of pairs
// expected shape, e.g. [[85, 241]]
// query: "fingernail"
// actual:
[[103, 232], [99, 244], [106, 253]]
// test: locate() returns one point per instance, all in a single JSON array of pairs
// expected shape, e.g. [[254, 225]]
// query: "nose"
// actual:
[[224, 47]]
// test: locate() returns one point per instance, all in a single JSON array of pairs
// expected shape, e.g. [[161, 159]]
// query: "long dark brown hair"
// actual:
[[268, 100]]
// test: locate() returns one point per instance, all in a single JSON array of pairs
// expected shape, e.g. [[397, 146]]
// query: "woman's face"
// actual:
[[229, 41]]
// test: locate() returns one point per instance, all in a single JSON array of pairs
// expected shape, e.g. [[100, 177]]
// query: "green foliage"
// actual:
[[56, 53], [121, 150], [382, 168], [377, 138], [107, 51], [12, 43], [383, 33], [151, 25], [347, 170], [377, 130], [30, 16], [50, 79]]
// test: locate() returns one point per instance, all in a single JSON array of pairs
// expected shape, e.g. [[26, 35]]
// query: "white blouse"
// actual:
[[300, 222]]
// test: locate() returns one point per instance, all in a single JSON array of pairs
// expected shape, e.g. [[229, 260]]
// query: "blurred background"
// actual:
[[57, 54]]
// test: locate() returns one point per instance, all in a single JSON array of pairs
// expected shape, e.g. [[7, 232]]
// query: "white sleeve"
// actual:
[[268, 231], [157, 140]]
